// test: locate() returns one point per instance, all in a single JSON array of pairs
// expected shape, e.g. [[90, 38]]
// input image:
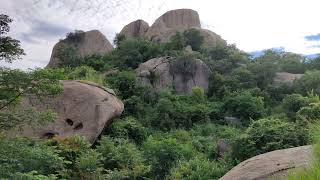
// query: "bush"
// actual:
[[197, 168], [24, 155], [128, 128], [267, 135], [308, 82], [193, 38], [121, 155], [292, 103], [310, 113], [124, 83], [162, 155], [86, 73], [132, 52], [244, 106]]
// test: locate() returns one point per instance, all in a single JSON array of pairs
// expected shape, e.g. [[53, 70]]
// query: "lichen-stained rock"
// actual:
[[272, 165], [135, 29], [83, 108], [286, 78], [181, 75], [84, 43]]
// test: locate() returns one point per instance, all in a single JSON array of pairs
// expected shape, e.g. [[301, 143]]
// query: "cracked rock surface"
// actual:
[[166, 72]]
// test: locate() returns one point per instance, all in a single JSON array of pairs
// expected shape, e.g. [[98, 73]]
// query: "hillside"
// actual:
[[167, 101]]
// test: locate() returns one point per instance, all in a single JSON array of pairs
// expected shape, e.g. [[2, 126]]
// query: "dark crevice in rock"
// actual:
[[69, 122], [78, 126]]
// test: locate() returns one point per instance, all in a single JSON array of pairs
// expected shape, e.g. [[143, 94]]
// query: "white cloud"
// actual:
[[250, 24]]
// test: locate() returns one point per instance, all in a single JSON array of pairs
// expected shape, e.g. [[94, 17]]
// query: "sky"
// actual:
[[253, 25]]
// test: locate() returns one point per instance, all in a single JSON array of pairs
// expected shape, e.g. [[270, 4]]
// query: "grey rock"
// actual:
[[160, 73], [286, 78], [272, 165], [83, 108], [84, 43], [135, 29]]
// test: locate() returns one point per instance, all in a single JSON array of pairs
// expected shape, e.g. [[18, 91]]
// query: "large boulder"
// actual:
[[84, 44], [286, 78], [179, 19], [135, 29], [272, 165], [180, 74], [83, 108]]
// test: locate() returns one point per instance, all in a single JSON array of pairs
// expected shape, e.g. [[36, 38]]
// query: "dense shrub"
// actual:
[[197, 168], [162, 155], [193, 38], [292, 103], [87, 74], [121, 155], [267, 135], [124, 83], [128, 128], [24, 155], [244, 106], [308, 82]]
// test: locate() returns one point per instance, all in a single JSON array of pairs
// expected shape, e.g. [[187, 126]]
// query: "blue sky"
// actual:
[[250, 24]]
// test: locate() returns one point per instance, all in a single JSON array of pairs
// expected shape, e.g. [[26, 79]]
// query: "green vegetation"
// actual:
[[161, 134]]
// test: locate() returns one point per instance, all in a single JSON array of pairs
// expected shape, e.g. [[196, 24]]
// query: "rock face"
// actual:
[[272, 165], [83, 108], [180, 20], [135, 29], [286, 78], [181, 75], [84, 43]]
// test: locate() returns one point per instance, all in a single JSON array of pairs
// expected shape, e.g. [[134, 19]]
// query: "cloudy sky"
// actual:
[[252, 25]]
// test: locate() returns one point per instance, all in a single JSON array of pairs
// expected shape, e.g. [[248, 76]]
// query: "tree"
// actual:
[[10, 48], [193, 38], [267, 135]]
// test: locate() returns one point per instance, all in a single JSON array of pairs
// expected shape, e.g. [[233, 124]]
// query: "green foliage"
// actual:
[[244, 106], [33, 175], [310, 113], [125, 83], [163, 153], [118, 39], [266, 135], [121, 155], [23, 155], [177, 42], [197, 168], [67, 56], [193, 38], [308, 82], [292, 103], [130, 53], [86, 73], [198, 94], [10, 49], [128, 128]]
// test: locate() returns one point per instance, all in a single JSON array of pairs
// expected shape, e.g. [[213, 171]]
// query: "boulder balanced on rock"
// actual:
[[83, 108]]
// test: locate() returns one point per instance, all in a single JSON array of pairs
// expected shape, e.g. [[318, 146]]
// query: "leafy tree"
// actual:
[[128, 128], [193, 38], [125, 83], [86, 73], [197, 168], [267, 135], [10, 49], [121, 155], [162, 155], [177, 42], [292, 103], [244, 106], [23, 155], [308, 82], [118, 39]]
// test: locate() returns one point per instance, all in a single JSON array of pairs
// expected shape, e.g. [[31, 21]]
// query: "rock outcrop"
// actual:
[[180, 20], [180, 74], [135, 29], [286, 78], [177, 20], [84, 44], [272, 165], [83, 108]]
